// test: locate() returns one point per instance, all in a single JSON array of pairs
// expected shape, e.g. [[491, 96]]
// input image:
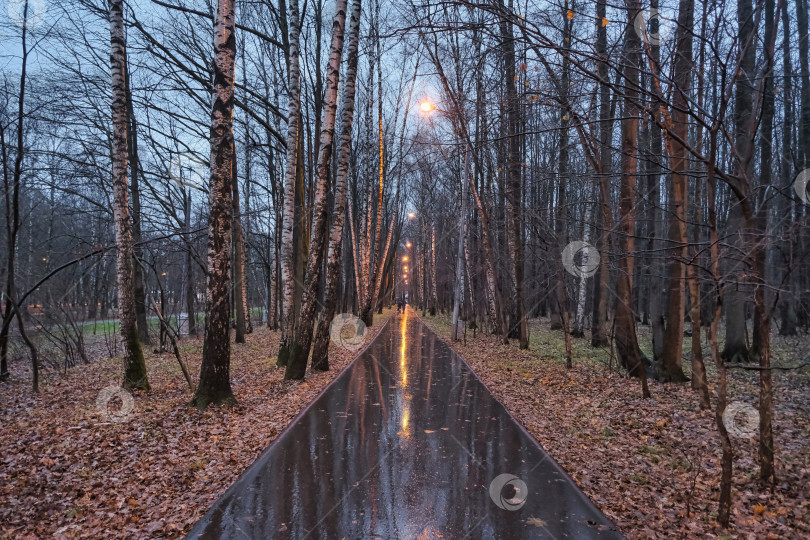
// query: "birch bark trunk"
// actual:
[[135, 375], [290, 181], [493, 302], [458, 294], [378, 280], [375, 274], [299, 348], [434, 297], [215, 386], [579, 329], [320, 351]]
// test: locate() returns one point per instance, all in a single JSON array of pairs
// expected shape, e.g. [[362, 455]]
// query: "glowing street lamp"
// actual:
[[405, 258], [408, 245], [427, 106], [411, 215]]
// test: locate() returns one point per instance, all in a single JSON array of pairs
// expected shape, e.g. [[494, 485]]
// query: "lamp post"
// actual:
[[427, 107]]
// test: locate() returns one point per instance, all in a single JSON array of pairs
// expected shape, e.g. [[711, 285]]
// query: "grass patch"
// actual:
[[638, 478]]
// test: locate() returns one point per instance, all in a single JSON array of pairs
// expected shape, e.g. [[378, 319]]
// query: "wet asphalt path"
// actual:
[[404, 444]]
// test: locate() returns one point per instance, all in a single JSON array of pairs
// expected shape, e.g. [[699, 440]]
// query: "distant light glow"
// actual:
[[405, 432], [427, 106]]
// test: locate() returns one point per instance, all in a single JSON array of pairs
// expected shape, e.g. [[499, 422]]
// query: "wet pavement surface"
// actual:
[[406, 443]]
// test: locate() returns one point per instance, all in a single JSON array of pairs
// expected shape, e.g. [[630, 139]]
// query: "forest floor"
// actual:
[[66, 471], [652, 466]]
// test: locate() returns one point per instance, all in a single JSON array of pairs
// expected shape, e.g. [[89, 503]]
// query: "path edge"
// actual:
[[587, 500], [282, 433]]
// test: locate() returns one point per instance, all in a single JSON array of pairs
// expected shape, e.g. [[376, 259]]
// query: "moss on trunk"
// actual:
[[203, 399], [135, 376], [283, 355], [296, 362]]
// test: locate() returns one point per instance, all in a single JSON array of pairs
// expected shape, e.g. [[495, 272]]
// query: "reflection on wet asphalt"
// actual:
[[404, 444]]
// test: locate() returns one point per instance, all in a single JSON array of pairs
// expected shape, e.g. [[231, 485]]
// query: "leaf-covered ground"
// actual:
[[652, 466], [67, 472]]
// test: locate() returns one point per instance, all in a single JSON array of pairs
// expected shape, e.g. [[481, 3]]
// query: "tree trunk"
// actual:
[[191, 315], [762, 320], [385, 255], [239, 277], [599, 337], [139, 290], [625, 324], [434, 297], [513, 173], [375, 259], [291, 173], [320, 351], [579, 328], [789, 315], [724, 507], [215, 385], [12, 201], [804, 70], [135, 376], [736, 346], [458, 290], [655, 243], [671, 369], [299, 348], [492, 296], [699, 383]]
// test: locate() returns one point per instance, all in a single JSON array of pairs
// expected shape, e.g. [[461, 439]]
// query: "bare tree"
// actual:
[[135, 376], [215, 383], [320, 351], [300, 346], [625, 324], [291, 174]]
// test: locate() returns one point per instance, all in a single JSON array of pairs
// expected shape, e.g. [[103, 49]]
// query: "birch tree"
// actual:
[[320, 351], [135, 375], [300, 346], [215, 386], [290, 181]]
